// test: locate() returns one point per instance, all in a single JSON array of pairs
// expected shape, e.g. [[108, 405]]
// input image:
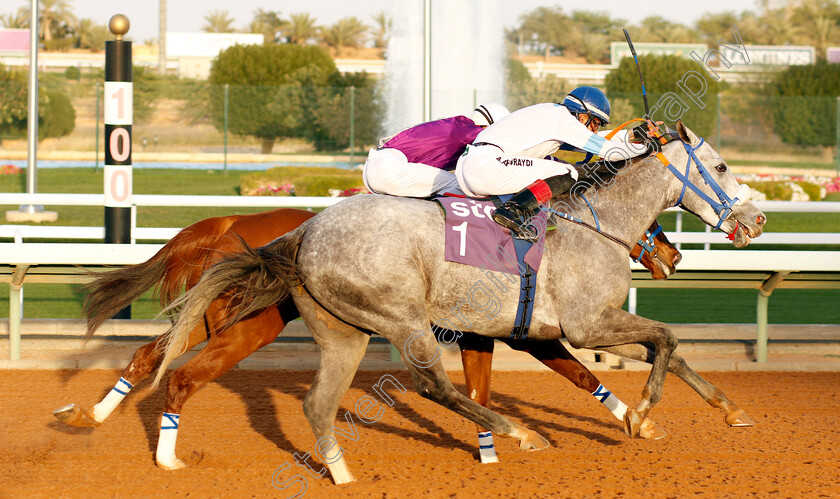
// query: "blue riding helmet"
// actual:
[[588, 100]]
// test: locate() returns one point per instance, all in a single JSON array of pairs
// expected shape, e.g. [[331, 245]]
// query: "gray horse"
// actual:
[[391, 278]]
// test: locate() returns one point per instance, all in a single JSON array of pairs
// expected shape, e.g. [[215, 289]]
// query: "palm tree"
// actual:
[[269, 24], [91, 35], [347, 32], [18, 20], [823, 16], [384, 25], [218, 21], [53, 15], [301, 29]]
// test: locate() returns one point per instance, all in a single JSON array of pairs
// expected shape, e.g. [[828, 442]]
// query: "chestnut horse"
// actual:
[[180, 263]]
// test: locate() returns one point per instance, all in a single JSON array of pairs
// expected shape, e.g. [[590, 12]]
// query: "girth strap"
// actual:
[[527, 291]]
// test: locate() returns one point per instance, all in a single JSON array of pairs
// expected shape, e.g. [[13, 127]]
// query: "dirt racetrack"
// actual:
[[237, 432]]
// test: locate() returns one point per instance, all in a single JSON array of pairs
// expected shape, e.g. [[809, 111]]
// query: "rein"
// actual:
[[566, 216]]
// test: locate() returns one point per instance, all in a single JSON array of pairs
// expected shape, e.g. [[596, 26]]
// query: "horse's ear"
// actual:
[[687, 135]]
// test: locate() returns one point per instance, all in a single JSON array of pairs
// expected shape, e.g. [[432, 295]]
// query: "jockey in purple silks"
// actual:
[[418, 161]]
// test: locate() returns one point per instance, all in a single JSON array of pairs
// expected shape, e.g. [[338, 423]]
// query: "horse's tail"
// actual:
[[170, 268], [254, 279]]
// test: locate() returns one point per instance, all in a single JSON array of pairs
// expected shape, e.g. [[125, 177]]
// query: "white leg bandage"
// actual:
[[165, 454], [610, 401], [486, 448], [103, 409]]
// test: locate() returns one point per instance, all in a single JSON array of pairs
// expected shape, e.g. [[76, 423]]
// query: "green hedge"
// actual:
[[58, 117], [662, 73], [782, 190], [804, 104]]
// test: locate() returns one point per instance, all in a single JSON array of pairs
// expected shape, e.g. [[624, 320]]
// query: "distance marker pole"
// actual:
[[119, 114]]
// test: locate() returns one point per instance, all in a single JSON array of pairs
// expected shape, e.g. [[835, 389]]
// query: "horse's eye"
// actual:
[[720, 168]]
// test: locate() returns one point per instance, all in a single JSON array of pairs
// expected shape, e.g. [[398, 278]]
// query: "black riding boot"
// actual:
[[516, 212]]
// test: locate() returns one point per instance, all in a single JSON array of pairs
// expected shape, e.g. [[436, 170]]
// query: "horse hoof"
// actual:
[[739, 418], [76, 416], [533, 441], [632, 423], [651, 431], [175, 465]]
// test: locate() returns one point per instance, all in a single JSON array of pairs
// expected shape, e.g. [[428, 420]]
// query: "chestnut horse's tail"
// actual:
[[183, 257], [254, 279]]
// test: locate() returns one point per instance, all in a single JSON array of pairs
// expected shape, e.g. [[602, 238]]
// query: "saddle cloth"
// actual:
[[473, 238]]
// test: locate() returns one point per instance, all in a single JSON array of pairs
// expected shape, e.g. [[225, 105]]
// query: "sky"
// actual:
[[188, 15]]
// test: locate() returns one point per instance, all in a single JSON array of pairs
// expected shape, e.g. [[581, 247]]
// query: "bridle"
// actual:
[[647, 244], [723, 208]]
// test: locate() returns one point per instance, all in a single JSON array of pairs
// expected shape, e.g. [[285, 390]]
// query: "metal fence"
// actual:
[[189, 116]]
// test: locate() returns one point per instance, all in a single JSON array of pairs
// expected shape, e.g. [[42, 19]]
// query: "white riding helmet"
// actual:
[[489, 113]]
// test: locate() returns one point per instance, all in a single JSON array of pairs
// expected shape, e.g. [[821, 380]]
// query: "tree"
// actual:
[[300, 29], [804, 103], [269, 89], [269, 23], [382, 32], [523, 90], [548, 26], [822, 17], [56, 116], [662, 73], [91, 35], [347, 32], [53, 15], [716, 27], [332, 112], [659, 29], [583, 34], [14, 92], [147, 90], [16, 20], [218, 21]]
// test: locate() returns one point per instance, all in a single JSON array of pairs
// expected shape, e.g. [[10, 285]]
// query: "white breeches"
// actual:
[[482, 171], [387, 171]]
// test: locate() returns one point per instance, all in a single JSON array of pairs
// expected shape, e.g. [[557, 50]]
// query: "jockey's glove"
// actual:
[[639, 133], [652, 146]]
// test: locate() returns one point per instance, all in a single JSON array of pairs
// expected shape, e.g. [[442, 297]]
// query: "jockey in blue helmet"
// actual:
[[515, 154], [590, 106]]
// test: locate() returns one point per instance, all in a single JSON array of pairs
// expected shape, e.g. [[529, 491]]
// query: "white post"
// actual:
[[679, 226], [427, 60]]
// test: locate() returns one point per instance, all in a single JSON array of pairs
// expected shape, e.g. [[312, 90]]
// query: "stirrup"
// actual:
[[511, 220]]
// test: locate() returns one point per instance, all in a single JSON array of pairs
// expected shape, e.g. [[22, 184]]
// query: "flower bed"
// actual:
[[302, 181], [10, 170], [775, 187]]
